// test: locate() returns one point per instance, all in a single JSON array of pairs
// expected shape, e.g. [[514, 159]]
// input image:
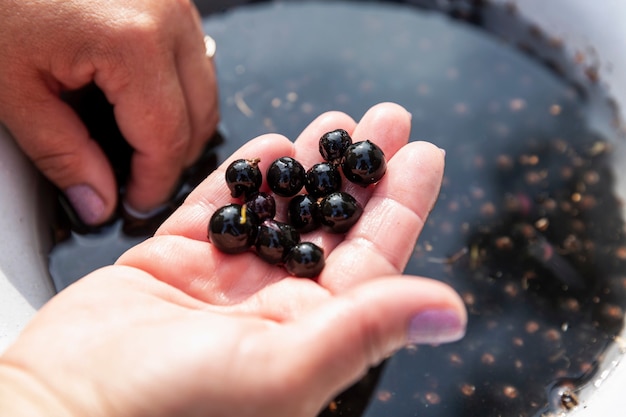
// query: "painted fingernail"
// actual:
[[88, 204], [436, 326]]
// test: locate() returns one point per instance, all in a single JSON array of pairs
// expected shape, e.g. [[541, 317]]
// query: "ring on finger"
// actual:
[[209, 46]]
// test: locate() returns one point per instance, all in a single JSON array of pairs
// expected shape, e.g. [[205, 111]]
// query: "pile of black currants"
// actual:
[[250, 224]]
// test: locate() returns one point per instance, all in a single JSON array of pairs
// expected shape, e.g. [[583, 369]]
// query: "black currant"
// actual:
[[339, 212], [262, 204], [364, 163], [233, 228], [303, 213], [334, 144], [243, 177], [305, 260], [274, 240], [322, 179], [286, 176]]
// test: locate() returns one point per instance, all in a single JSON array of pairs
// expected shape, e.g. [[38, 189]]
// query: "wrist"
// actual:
[[22, 395]]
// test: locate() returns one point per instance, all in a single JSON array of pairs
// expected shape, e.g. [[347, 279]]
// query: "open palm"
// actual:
[[177, 328]]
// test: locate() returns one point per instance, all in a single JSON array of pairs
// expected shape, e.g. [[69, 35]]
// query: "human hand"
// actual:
[[148, 58], [177, 328]]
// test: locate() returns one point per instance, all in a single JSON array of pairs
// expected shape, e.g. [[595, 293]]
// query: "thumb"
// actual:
[[58, 143], [363, 326]]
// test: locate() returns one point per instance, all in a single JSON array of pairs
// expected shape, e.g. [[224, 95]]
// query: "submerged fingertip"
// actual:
[[142, 214]]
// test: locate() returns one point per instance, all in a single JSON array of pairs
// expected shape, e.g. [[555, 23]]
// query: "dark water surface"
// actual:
[[528, 227]]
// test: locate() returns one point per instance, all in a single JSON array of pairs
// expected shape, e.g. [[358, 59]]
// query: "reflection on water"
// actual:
[[527, 227]]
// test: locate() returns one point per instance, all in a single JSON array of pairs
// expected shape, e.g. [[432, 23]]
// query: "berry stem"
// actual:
[[254, 162], [244, 218]]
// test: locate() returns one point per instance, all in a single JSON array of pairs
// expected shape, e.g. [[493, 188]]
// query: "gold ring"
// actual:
[[209, 46]]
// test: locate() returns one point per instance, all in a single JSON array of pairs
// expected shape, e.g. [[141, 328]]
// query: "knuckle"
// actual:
[[173, 135], [169, 142], [175, 145], [61, 166], [207, 126]]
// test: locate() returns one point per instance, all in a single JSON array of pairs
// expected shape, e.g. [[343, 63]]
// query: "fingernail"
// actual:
[[142, 215], [443, 151], [88, 204], [436, 326]]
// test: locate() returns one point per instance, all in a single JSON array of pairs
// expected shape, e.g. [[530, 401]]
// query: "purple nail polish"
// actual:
[[435, 326], [87, 203]]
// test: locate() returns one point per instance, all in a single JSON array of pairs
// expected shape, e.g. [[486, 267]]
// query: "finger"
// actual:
[[306, 150], [197, 76], [307, 143], [386, 124], [192, 217], [58, 143], [152, 114], [383, 239], [367, 324], [206, 273]]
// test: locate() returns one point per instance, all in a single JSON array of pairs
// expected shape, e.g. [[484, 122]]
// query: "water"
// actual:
[[528, 227], [79, 249]]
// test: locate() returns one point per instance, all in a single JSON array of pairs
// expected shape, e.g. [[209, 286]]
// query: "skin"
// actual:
[[149, 59], [176, 328]]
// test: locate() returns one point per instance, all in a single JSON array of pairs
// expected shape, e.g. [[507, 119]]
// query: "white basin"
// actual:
[[24, 282]]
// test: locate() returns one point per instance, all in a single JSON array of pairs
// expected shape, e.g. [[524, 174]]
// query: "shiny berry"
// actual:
[[322, 179], [339, 212], [286, 176], [243, 177], [233, 228], [262, 204], [334, 144], [305, 260], [364, 163], [303, 213], [275, 240]]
